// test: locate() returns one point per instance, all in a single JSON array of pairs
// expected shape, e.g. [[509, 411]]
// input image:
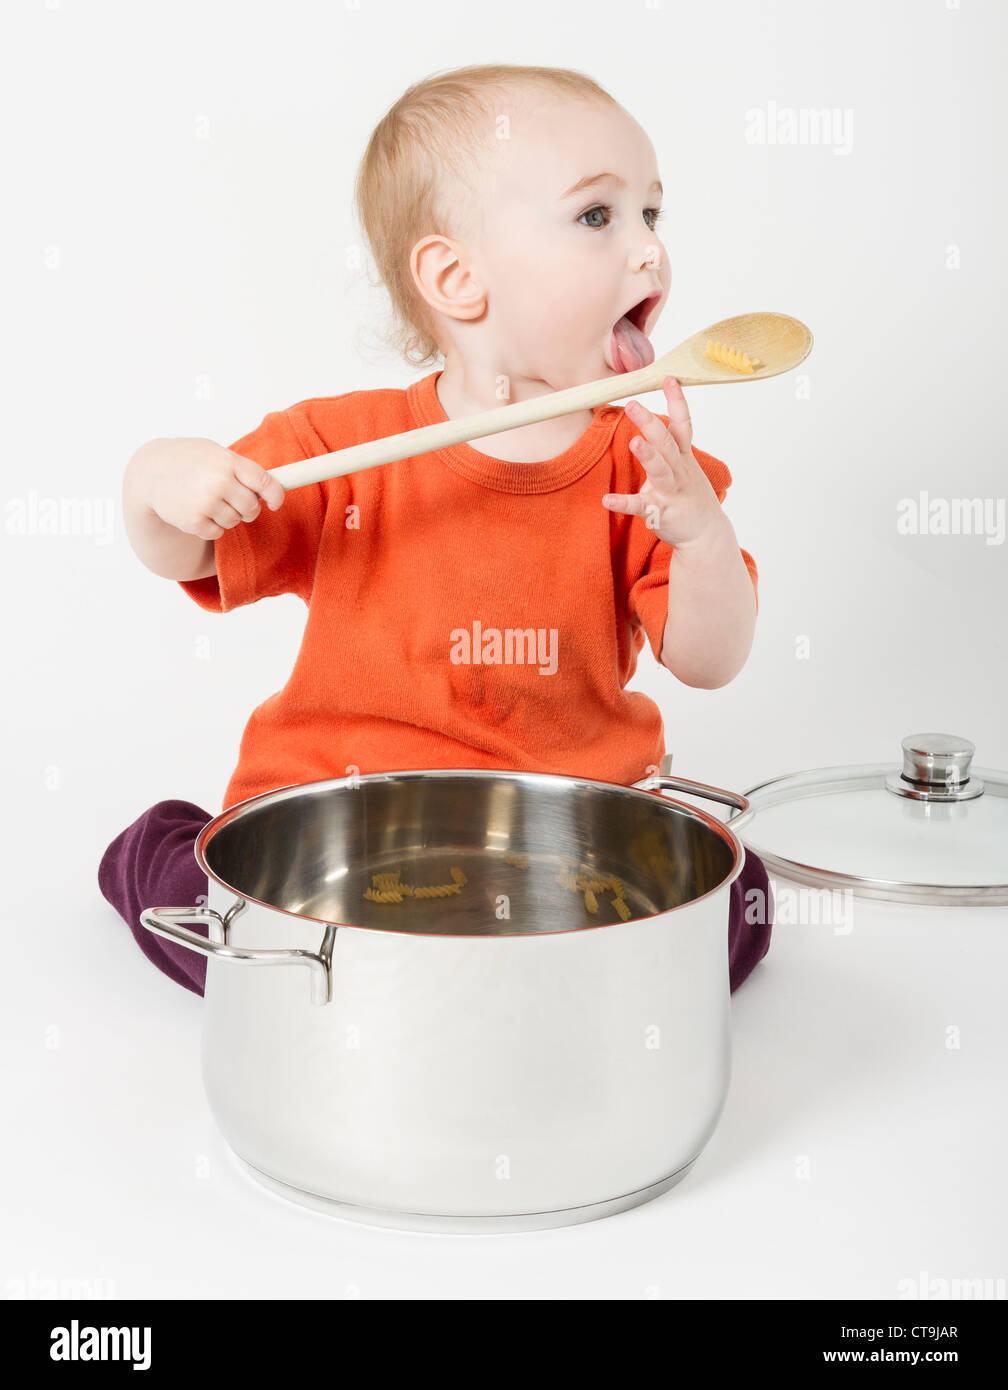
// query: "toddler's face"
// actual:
[[561, 267]]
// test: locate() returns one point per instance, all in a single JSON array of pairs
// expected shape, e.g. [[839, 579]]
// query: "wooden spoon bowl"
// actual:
[[776, 343]]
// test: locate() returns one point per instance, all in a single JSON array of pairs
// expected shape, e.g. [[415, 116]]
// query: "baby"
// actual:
[[481, 606]]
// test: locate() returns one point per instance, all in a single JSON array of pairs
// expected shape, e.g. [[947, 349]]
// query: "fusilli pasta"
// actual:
[[730, 357]]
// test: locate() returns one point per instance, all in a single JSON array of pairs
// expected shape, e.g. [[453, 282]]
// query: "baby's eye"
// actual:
[[656, 214], [602, 208]]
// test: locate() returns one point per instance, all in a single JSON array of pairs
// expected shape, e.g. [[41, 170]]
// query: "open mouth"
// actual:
[[642, 311], [628, 348]]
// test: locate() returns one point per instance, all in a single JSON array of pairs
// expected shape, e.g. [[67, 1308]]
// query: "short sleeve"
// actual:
[[647, 595], [276, 553]]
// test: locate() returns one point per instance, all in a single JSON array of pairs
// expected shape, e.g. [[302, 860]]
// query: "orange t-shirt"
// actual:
[[463, 611]]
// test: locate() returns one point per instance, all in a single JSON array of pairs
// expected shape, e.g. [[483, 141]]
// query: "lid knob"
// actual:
[[936, 767], [937, 759]]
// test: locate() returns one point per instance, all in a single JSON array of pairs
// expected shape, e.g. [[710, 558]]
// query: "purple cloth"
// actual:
[[153, 864]]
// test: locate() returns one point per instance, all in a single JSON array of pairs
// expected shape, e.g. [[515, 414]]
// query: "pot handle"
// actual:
[[661, 782], [166, 922]]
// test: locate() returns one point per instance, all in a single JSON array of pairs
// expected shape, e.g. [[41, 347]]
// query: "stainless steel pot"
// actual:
[[500, 1057]]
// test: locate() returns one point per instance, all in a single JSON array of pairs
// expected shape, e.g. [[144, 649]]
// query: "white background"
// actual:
[[175, 262]]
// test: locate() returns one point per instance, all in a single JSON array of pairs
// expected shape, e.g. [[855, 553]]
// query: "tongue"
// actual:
[[629, 349]]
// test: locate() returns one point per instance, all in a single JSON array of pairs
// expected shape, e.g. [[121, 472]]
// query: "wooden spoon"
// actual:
[[774, 342]]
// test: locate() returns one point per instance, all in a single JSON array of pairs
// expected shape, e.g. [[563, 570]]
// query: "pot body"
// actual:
[[474, 1077], [455, 1063]]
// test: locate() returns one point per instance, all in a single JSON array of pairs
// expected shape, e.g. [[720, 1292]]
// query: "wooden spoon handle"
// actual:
[[430, 437]]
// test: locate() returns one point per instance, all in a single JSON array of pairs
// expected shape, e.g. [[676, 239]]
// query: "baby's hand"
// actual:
[[203, 489], [676, 499]]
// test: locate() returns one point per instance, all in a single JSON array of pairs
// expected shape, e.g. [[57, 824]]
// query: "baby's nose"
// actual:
[[646, 255]]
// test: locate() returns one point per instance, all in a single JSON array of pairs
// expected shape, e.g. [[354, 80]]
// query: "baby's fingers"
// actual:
[[222, 515], [630, 503], [259, 481], [240, 500]]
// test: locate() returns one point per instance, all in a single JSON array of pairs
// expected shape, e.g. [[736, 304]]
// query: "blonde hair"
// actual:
[[437, 126]]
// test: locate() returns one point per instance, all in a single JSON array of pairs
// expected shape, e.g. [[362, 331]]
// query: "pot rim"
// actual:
[[355, 781]]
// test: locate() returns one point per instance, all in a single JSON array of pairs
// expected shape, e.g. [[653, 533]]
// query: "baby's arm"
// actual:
[[180, 495]]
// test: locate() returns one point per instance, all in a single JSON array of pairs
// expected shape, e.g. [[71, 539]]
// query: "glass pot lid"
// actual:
[[932, 831]]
